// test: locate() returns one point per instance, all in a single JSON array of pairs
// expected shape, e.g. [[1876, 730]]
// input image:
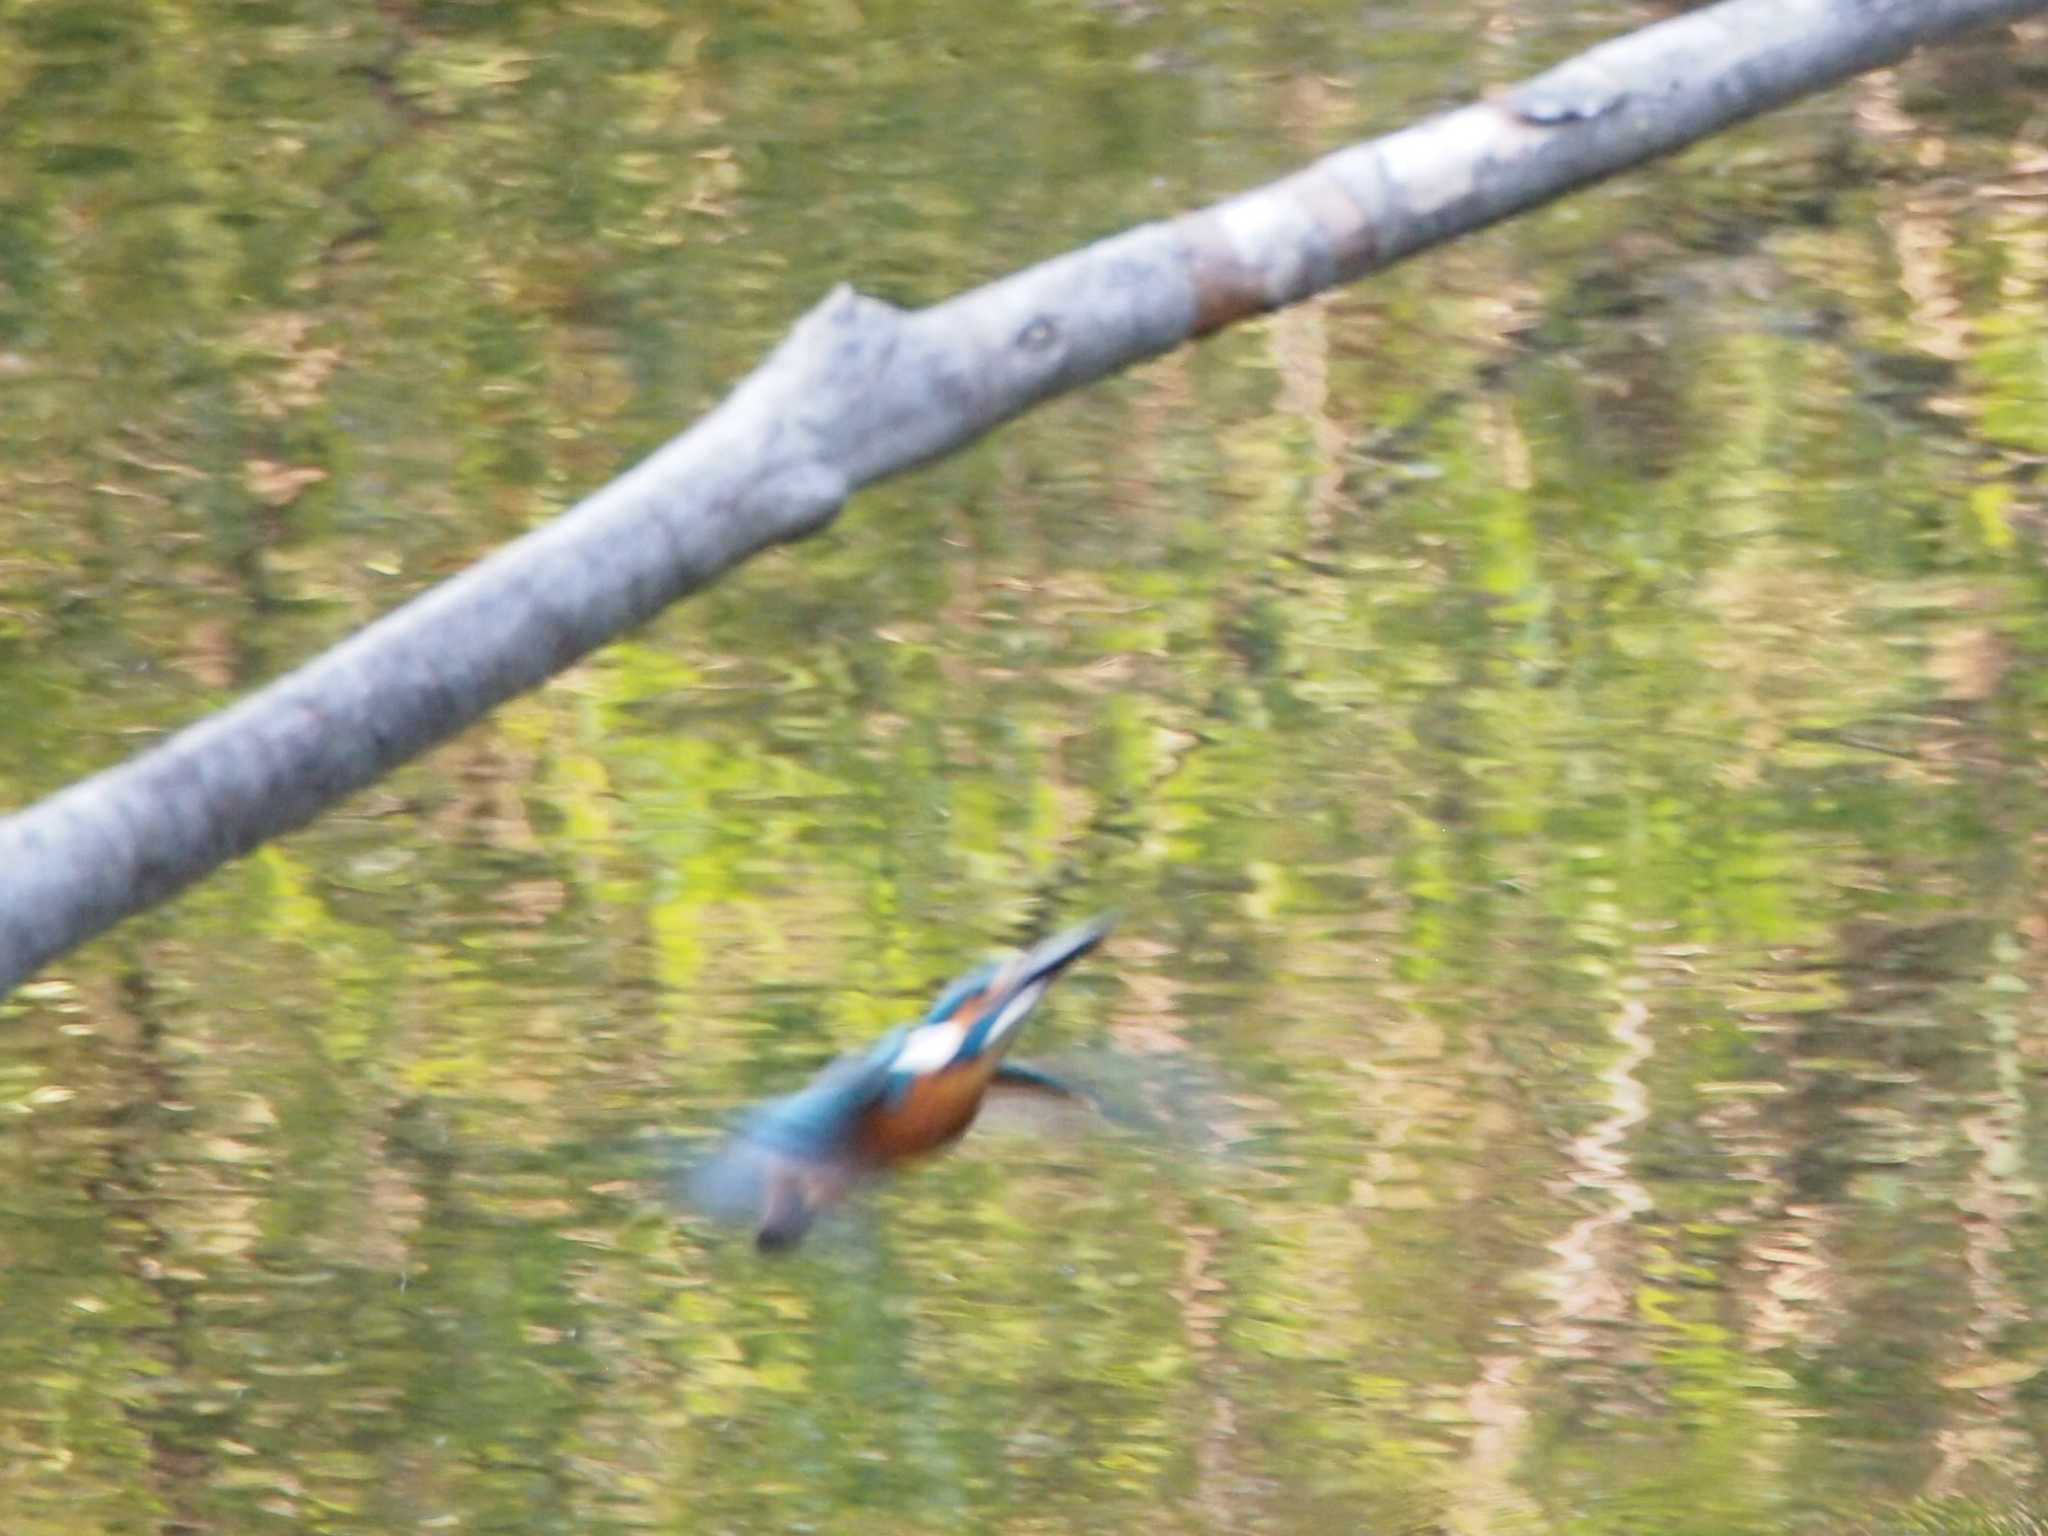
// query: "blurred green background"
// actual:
[[1562, 723]]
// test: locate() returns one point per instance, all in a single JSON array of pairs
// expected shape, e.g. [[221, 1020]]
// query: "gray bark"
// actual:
[[860, 390]]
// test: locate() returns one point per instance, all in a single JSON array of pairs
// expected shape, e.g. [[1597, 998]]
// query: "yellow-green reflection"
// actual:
[[1560, 722]]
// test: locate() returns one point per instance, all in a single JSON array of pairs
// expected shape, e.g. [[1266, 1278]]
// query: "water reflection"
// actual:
[[1559, 723]]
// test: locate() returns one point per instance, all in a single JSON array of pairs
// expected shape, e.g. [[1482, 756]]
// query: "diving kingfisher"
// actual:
[[912, 1092]]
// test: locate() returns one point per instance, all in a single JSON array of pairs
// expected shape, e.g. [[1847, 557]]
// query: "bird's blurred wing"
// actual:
[[1015, 1074], [801, 1140]]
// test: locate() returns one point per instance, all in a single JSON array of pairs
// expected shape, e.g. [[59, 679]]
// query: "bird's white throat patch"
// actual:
[[932, 1046], [929, 1047]]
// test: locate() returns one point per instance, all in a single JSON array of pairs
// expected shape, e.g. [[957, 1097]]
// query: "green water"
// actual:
[[1560, 723]]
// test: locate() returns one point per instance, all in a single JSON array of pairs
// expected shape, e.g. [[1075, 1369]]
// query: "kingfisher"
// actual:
[[913, 1092]]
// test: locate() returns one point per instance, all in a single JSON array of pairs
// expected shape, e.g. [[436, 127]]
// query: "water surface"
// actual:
[[1560, 722]]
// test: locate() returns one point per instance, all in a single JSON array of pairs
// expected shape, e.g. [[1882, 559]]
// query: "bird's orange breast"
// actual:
[[933, 1110]]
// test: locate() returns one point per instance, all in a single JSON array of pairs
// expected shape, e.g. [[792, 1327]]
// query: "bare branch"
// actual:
[[860, 390]]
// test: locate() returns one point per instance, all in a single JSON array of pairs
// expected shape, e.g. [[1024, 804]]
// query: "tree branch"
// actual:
[[860, 390]]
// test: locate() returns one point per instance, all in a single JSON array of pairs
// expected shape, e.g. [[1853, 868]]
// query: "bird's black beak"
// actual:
[[1049, 957]]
